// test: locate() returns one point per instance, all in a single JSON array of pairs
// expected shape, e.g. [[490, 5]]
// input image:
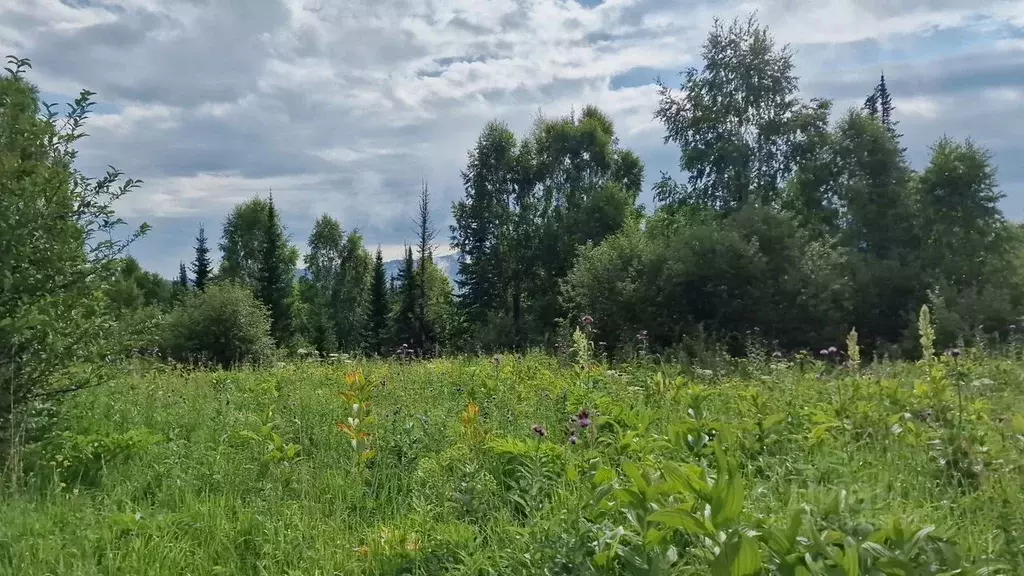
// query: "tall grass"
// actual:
[[772, 467]]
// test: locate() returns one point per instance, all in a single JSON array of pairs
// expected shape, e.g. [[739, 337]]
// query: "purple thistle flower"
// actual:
[[832, 350], [583, 418], [823, 352]]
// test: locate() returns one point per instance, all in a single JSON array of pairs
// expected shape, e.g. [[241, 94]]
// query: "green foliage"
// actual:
[[523, 467], [404, 321], [426, 337], [182, 283], [736, 128], [133, 288], [853, 349], [337, 288], [878, 105], [377, 328], [275, 277], [242, 238], [927, 334], [202, 266], [441, 310], [753, 270], [56, 252], [530, 204], [224, 326]]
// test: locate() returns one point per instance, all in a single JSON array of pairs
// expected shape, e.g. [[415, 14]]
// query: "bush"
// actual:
[[55, 249], [224, 325]]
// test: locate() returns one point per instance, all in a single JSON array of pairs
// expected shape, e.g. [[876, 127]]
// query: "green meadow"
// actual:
[[531, 466]]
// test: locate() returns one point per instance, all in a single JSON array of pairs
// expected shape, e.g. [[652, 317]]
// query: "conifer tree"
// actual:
[[202, 266], [878, 105], [182, 276], [404, 323], [425, 332], [885, 106], [274, 280], [377, 323]]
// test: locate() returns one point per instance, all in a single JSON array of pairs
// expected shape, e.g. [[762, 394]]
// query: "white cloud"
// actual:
[[343, 107], [928, 108]]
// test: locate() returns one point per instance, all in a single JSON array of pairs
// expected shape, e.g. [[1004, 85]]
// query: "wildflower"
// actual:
[[587, 320], [832, 350], [539, 430], [583, 418], [823, 352], [777, 355], [953, 352], [642, 335], [573, 439]]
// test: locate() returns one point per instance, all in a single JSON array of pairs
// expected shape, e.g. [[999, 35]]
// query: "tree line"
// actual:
[[794, 224]]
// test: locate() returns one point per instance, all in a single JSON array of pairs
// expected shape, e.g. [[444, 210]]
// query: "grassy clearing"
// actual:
[[768, 467]]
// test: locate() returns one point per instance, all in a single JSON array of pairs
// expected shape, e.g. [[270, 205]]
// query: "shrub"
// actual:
[[55, 250], [224, 325]]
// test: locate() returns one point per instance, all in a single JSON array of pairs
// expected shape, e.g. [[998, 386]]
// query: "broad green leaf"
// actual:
[[687, 475], [739, 557], [603, 476], [774, 420], [634, 473], [918, 538], [775, 541], [796, 518], [851, 558], [727, 494], [679, 518]]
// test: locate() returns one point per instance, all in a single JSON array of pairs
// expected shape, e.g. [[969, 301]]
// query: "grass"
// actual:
[[762, 468]]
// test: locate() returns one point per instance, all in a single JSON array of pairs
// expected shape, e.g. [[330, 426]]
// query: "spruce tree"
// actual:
[[871, 105], [377, 323], [202, 266], [885, 106], [182, 276], [404, 323], [425, 332], [878, 105], [274, 279]]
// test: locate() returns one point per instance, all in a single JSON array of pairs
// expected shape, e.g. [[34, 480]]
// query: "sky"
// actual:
[[344, 107]]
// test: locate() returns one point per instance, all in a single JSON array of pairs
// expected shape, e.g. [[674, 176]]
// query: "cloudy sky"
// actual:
[[344, 106]]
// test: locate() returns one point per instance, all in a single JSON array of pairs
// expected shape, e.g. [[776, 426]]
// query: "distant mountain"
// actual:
[[449, 264]]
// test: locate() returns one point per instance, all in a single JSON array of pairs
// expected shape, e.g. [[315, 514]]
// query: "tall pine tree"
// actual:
[[380, 307], [182, 281], [425, 331], [879, 106], [275, 282], [404, 321], [202, 266]]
